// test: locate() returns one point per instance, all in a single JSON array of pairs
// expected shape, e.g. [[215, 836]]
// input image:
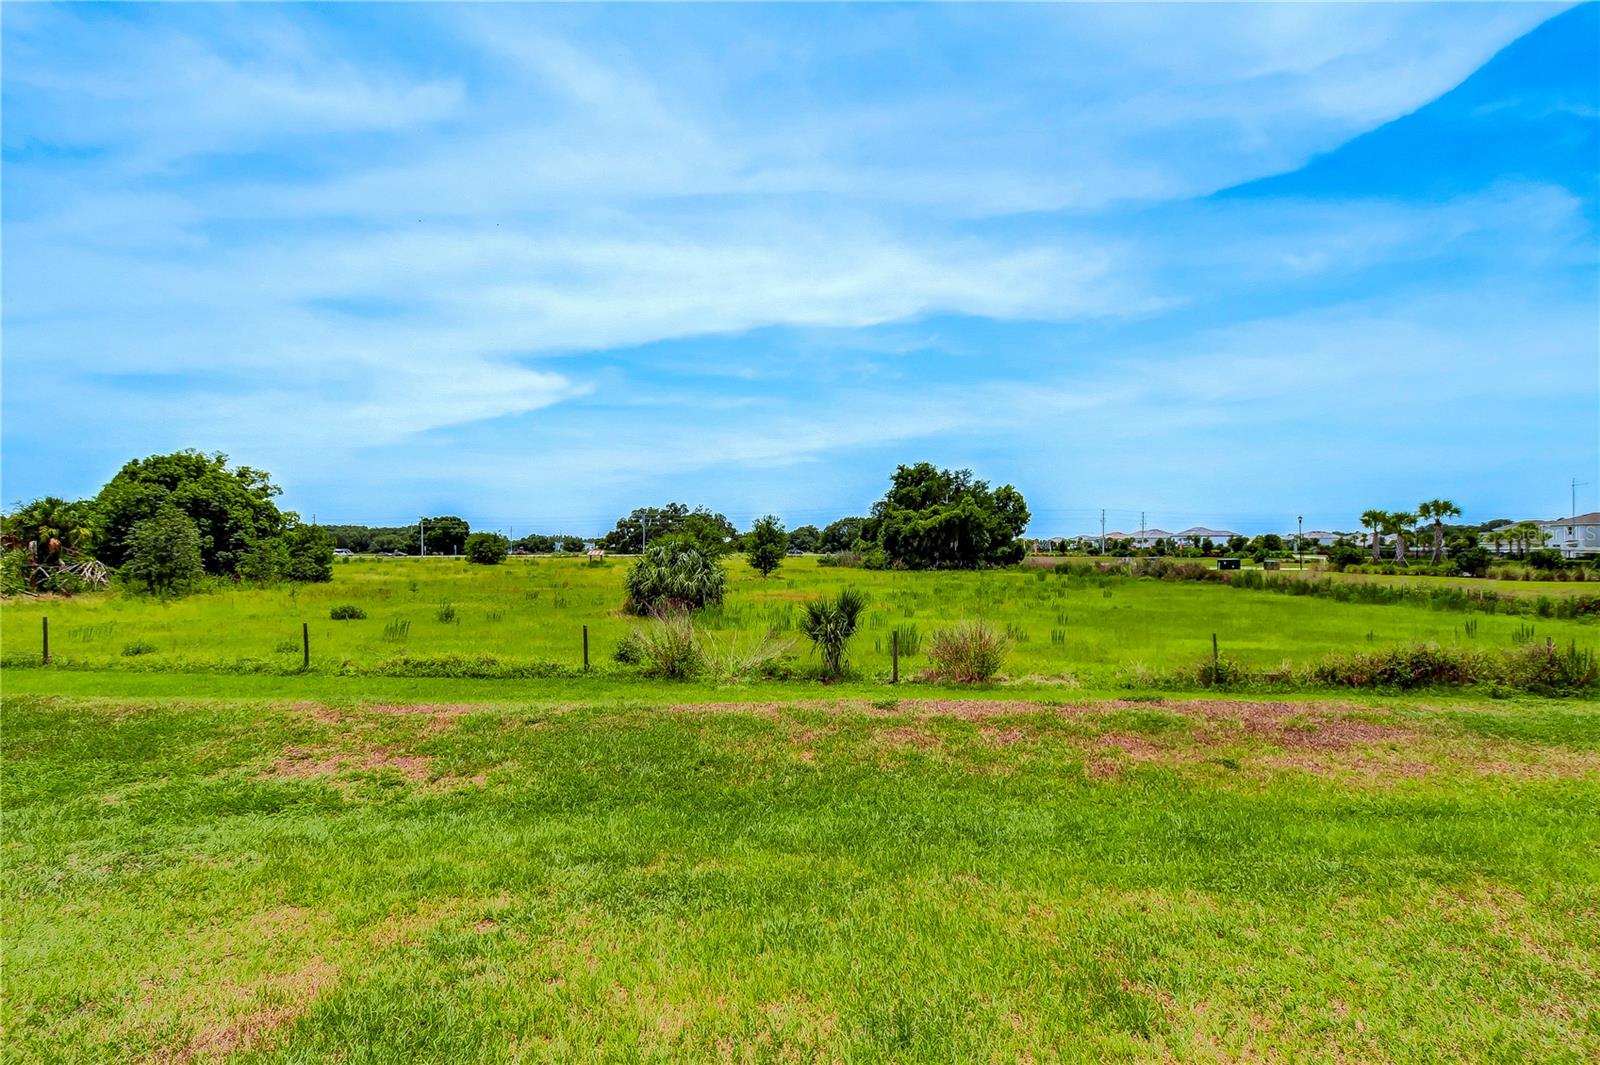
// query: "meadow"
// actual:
[[1072, 629], [211, 854], [864, 880]]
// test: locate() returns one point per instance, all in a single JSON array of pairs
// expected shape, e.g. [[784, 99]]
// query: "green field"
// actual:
[[212, 855], [1089, 631], [668, 879]]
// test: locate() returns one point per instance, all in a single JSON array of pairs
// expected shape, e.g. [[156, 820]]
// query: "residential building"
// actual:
[[1575, 537]]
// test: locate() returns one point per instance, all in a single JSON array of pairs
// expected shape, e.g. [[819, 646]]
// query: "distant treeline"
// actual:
[[446, 535]]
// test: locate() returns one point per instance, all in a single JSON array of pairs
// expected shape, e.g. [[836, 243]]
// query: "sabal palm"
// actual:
[[1374, 520], [830, 623], [1437, 510]]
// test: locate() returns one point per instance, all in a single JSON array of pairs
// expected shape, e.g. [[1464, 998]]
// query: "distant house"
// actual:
[[1324, 538], [1200, 532], [1575, 537]]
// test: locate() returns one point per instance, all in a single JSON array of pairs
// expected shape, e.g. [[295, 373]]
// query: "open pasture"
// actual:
[[1084, 629]]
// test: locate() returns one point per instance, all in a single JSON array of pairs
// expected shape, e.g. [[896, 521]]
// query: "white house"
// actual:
[[1200, 532], [1575, 537], [1325, 538]]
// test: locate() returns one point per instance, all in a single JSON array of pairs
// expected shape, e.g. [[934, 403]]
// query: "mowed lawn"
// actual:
[[849, 880], [1092, 630]]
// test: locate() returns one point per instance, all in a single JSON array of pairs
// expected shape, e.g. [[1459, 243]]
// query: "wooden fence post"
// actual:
[[1214, 662], [46, 640], [586, 648], [894, 656], [305, 645]]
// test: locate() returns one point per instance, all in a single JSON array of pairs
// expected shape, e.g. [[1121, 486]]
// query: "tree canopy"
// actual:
[[766, 544], [231, 508], [946, 519], [708, 531]]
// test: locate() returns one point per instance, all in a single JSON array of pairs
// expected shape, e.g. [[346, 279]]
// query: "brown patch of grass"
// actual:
[[305, 763], [907, 738], [287, 998]]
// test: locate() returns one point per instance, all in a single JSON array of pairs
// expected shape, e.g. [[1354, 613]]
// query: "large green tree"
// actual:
[[841, 535], [708, 531], [807, 539], [231, 507], [446, 535], [766, 544], [946, 519]]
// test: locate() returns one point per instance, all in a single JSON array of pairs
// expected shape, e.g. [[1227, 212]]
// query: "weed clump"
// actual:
[[971, 652], [347, 612], [138, 647]]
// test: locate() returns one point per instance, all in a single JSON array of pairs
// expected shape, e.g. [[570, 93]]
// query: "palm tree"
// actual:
[[1438, 510], [1374, 519], [1398, 523]]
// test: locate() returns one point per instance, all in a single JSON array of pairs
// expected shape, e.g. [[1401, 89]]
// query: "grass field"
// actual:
[[666, 878], [1083, 630]]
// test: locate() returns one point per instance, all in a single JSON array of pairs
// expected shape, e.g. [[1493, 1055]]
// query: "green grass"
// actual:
[[313, 878], [1086, 630]]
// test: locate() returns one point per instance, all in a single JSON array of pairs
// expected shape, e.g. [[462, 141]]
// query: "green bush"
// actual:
[[347, 612], [970, 652], [674, 576], [486, 548], [138, 647], [164, 554]]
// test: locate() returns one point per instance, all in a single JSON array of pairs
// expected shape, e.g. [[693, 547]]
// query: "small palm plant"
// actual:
[[829, 623]]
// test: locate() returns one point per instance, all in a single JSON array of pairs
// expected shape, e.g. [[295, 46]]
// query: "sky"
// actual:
[[536, 266]]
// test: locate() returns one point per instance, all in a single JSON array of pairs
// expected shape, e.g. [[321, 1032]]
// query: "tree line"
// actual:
[[163, 524]]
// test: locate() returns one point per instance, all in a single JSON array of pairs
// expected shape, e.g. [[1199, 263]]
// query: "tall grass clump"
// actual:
[[666, 646], [829, 624], [672, 577], [970, 652]]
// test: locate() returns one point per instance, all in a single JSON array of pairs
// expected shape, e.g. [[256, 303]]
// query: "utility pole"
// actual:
[[644, 533], [1300, 540], [1102, 530], [1576, 484], [422, 539]]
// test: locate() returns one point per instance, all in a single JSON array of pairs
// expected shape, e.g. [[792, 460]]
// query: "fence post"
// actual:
[[1214, 662], [46, 640], [894, 656], [586, 648], [305, 645]]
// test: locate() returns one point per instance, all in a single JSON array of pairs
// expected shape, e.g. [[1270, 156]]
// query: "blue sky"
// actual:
[[535, 266]]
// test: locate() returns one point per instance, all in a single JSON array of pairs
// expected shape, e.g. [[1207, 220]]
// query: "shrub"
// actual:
[[446, 613], [138, 647], [310, 553], [630, 652], [1545, 558], [674, 576], [164, 553], [347, 612], [971, 652], [829, 624], [486, 548]]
